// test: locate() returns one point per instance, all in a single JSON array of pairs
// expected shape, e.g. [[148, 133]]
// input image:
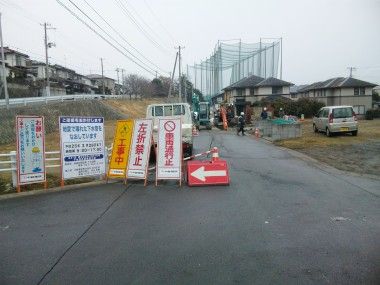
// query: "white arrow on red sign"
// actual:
[[201, 174]]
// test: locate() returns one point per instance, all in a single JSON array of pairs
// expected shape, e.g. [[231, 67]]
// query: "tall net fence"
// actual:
[[231, 62]]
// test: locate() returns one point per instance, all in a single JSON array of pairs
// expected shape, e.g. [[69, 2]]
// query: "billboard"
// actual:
[[140, 149], [30, 137], [82, 146], [120, 150], [169, 149]]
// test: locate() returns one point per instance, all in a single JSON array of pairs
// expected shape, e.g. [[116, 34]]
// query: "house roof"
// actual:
[[271, 81], [337, 82], [249, 81], [257, 81], [98, 76], [9, 50]]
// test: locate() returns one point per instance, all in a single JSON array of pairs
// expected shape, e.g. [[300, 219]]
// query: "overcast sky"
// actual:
[[321, 38]]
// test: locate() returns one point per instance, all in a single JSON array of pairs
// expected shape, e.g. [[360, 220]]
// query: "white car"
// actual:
[[336, 119]]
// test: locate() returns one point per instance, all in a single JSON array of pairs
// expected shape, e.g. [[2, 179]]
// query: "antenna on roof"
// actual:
[[351, 69]]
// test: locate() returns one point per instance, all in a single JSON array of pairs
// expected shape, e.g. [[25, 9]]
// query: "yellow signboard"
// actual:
[[120, 151]]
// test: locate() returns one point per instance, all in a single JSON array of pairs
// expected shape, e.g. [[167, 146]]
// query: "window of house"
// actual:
[[356, 91], [293, 95], [277, 90], [252, 91], [239, 92], [361, 90]]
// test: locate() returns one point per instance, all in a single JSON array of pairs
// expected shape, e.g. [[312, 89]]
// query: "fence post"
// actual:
[[14, 167]]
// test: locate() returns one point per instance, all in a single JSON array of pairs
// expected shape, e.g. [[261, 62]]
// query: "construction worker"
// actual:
[[241, 124], [264, 114], [281, 113]]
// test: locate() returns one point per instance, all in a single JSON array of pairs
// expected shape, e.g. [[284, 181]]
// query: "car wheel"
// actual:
[[328, 133], [354, 133], [315, 128]]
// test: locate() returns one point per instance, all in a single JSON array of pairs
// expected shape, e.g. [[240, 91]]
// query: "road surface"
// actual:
[[283, 220]]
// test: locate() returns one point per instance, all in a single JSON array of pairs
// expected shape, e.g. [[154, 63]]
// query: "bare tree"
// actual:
[[136, 85]]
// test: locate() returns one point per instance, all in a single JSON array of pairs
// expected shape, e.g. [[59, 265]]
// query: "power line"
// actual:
[[140, 28], [121, 36], [152, 72], [144, 22], [158, 21]]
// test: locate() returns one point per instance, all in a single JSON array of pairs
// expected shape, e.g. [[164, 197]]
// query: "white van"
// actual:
[[156, 111]]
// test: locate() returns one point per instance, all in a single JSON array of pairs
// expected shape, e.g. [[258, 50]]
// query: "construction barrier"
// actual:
[[208, 172]]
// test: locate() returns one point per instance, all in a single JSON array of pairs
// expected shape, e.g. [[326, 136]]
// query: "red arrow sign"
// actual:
[[207, 173]]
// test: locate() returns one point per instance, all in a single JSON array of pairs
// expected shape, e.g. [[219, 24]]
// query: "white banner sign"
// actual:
[[30, 149], [169, 149], [82, 146], [140, 149]]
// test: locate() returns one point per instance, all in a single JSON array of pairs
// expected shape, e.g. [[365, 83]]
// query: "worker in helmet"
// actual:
[[241, 124], [264, 114], [281, 113]]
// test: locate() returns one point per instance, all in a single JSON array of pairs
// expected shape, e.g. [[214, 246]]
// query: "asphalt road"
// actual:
[[283, 220]]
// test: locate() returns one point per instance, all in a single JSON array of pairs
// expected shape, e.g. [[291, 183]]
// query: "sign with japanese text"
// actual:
[[82, 146], [169, 149], [30, 136], [120, 150], [140, 149]]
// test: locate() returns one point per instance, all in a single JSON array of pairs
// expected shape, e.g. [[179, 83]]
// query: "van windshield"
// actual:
[[342, 112]]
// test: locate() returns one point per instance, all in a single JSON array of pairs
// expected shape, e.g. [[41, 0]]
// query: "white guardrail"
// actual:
[[52, 160], [31, 100]]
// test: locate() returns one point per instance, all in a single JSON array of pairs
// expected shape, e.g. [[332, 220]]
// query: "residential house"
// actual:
[[253, 88], [341, 91], [15, 58], [109, 83]]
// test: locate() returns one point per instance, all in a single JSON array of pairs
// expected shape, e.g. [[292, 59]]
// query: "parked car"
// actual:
[[336, 119]]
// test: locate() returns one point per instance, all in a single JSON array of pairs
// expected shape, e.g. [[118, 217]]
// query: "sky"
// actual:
[[320, 38]]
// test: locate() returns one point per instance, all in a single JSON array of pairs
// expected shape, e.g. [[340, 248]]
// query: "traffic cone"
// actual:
[[257, 133], [215, 154], [195, 131]]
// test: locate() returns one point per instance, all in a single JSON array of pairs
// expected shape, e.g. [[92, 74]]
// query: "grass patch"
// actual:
[[368, 131]]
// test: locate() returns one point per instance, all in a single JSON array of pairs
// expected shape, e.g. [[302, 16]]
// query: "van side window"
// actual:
[[177, 110], [325, 113], [168, 110], [158, 111]]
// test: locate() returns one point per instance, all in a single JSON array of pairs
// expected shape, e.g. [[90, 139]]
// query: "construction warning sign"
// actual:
[[140, 149], [82, 146], [169, 149], [120, 151], [30, 149]]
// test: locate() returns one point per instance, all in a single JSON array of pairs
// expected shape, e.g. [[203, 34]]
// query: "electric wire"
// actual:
[[103, 38]]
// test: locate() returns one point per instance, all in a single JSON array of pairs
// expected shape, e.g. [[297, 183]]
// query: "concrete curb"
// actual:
[[53, 190]]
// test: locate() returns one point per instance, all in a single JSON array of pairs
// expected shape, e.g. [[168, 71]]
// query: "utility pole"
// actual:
[[4, 76], [47, 46], [172, 76], [118, 82], [351, 69], [179, 73], [103, 87], [122, 79]]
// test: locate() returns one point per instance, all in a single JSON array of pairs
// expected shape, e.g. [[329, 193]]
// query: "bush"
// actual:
[[372, 113], [306, 106]]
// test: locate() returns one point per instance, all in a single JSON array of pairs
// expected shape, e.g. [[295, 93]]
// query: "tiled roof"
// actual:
[[256, 81], [271, 81], [337, 82], [246, 82]]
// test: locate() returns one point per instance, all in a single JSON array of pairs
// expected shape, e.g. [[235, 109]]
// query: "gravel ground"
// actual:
[[362, 158]]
